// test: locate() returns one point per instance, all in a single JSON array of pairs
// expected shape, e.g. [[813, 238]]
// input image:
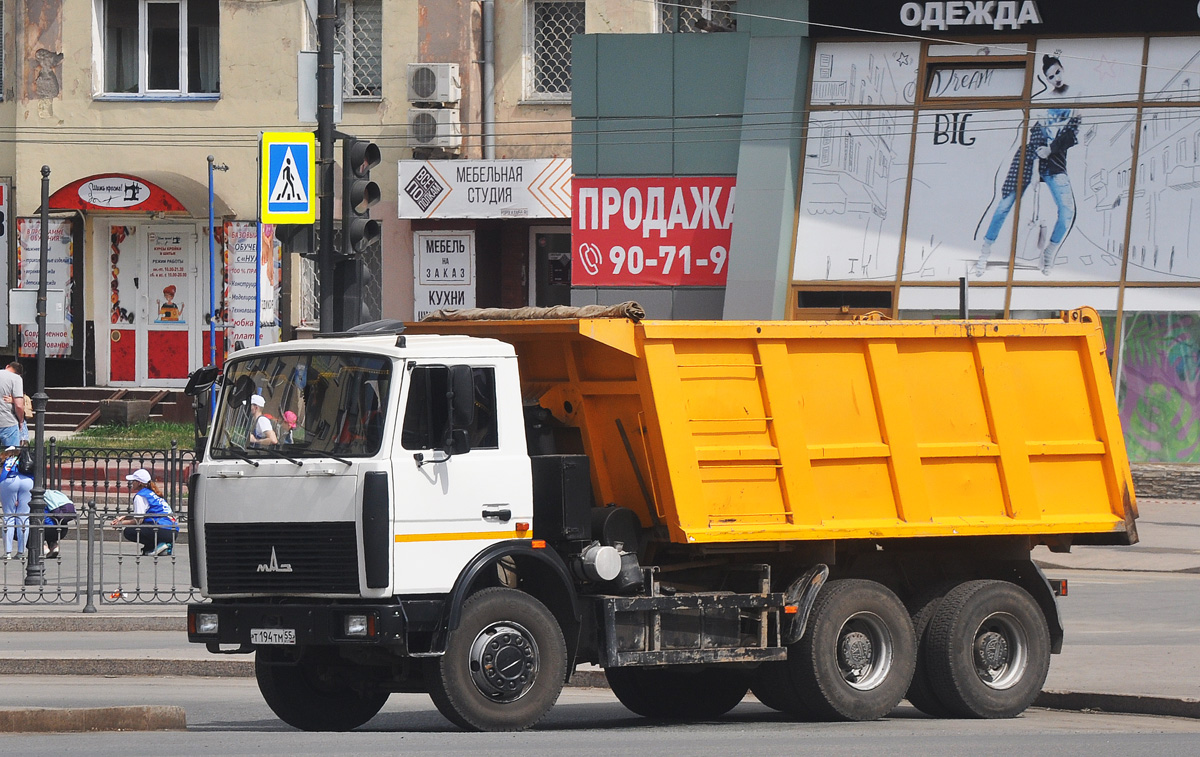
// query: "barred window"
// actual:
[[697, 16], [548, 47], [360, 41]]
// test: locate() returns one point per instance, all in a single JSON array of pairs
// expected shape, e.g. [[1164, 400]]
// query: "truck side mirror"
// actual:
[[457, 442], [462, 401], [201, 380]]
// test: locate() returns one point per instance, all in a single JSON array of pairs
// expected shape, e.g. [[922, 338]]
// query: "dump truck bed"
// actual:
[[732, 431]]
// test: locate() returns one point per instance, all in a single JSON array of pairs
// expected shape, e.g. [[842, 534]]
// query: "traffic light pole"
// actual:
[[326, 260]]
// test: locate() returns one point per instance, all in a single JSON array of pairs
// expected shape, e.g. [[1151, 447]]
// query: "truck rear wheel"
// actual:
[[921, 692], [679, 693], [858, 656], [772, 684], [504, 665], [313, 693], [989, 650]]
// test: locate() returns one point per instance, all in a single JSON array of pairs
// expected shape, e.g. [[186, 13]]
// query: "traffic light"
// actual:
[[359, 193]]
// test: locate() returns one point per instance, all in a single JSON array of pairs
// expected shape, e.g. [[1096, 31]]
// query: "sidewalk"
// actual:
[[1121, 654]]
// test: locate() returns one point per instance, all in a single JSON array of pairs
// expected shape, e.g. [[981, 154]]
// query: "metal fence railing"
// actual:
[[98, 475], [95, 563]]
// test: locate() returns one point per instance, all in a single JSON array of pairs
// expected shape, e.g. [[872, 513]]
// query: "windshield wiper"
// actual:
[[240, 454], [278, 454], [308, 452]]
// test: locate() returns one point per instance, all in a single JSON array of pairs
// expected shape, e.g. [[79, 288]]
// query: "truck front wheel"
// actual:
[[679, 693], [989, 650], [314, 693], [858, 656], [504, 665]]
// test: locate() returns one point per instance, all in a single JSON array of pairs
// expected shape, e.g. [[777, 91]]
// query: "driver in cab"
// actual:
[[262, 431]]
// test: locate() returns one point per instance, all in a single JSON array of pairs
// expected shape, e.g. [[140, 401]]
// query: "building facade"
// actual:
[[1044, 152], [125, 100]]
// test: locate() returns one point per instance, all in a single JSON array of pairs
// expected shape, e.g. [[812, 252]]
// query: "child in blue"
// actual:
[[15, 489], [152, 523]]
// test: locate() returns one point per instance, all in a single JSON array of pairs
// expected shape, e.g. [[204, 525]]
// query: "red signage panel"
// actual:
[[668, 231]]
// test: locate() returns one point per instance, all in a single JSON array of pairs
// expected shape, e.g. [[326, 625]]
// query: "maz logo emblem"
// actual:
[[274, 566]]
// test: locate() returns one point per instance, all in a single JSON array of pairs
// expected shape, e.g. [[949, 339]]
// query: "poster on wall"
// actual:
[[1073, 218], [1173, 69], [850, 74], [60, 274], [1087, 70], [852, 195], [664, 231], [1164, 237], [444, 271], [962, 194], [168, 278], [242, 277], [5, 196]]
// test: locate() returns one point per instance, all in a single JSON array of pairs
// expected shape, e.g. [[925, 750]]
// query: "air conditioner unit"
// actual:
[[434, 83], [434, 127]]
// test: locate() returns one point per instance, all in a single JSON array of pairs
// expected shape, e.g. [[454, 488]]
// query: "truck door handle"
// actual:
[[501, 515]]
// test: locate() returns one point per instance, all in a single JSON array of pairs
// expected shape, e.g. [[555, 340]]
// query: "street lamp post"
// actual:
[[35, 569], [212, 276]]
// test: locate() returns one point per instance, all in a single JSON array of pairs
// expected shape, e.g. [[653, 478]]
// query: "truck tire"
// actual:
[[858, 656], [679, 693], [921, 692], [772, 685], [989, 650], [311, 694], [504, 665]]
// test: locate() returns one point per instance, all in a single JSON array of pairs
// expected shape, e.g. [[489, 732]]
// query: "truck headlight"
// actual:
[[207, 622], [355, 625]]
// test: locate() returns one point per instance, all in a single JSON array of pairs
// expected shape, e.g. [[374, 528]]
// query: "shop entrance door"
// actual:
[[156, 315], [550, 266]]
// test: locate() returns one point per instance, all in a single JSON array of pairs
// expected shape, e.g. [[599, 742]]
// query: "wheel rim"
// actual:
[[865, 650], [504, 661], [1001, 651]]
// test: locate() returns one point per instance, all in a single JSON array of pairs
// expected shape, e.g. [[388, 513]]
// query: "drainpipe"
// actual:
[[489, 80]]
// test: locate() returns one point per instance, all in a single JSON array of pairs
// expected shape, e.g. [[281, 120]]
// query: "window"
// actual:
[[360, 41], [427, 413], [336, 401], [161, 47], [548, 47], [697, 16]]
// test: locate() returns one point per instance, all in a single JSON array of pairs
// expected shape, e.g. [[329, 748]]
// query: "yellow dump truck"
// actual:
[[834, 515]]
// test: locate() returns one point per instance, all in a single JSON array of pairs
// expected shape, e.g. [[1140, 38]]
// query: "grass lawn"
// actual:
[[138, 436]]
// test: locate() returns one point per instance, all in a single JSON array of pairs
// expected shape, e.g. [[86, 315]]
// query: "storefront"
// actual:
[[488, 233], [132, 255], [1047, 152]]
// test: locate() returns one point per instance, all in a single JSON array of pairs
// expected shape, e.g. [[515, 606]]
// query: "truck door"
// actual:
[[451, 505]]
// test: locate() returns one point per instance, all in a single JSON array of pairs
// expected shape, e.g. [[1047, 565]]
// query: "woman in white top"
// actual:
[[262, 432]]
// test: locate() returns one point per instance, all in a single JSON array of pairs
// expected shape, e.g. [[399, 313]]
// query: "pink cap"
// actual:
[[290, 418]]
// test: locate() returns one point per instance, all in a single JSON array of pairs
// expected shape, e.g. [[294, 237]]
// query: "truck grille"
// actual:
[[272, 557]]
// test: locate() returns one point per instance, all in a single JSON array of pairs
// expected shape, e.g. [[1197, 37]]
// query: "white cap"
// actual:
[[257, 400], [141, 474], [12, 449]]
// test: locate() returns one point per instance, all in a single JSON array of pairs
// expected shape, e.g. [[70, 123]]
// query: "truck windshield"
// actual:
[[302, 405]]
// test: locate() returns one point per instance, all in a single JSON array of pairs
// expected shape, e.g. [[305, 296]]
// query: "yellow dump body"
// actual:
[[788, 430]]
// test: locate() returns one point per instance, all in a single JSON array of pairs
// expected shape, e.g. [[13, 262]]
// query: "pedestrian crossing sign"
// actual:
[[287, 166]]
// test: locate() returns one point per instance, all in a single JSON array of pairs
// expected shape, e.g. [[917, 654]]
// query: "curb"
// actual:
[[81, 719], [91, 622], [1125, 704], [133, 667]]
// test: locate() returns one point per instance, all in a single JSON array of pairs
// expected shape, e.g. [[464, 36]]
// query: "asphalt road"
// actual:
[[227, 717]]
